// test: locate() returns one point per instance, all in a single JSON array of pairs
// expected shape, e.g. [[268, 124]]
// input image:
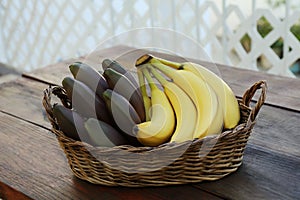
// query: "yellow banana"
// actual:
[[195, 87], [161, 126], [146, 98], [184, 108], [217, 124], [226, 97]]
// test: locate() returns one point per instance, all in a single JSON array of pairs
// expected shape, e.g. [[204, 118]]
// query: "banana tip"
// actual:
[[107, 62], [135, 130]]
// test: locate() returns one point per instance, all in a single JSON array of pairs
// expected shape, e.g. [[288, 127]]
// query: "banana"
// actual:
[[102, 134], [196, 89], [226, 97], [108, 63], [122, 85], [146, 98], [161, 126], [70, 123], [84, 100], [89, 76], [217, 124], [123, 114], [184, 108]]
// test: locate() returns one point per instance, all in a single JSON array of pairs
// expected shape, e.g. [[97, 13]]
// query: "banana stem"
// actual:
[[158, 76], [142, 82], [149, 79], [174, 65], [163, 68], [146, 99]]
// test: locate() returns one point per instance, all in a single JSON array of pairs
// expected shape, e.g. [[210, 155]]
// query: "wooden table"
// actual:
[[32, 165]]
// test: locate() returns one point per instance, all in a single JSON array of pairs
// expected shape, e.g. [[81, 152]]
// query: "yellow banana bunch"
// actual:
[[227, 99], [161, 125], [197, 90], [184, 108], [203, 103]]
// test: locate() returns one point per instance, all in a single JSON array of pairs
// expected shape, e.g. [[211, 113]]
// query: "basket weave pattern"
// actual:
[[189, 162]]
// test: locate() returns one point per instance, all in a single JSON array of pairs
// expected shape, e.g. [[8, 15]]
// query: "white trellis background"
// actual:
[[35, 33]]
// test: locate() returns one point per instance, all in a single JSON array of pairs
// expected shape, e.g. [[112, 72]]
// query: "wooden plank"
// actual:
[[8, 77], [263, 175], [23, 98], [32, 162], [277, 129], [282, 91], [54, 73], [7, 192]]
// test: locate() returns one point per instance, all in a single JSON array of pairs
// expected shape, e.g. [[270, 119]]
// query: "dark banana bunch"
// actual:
[[104, 106]]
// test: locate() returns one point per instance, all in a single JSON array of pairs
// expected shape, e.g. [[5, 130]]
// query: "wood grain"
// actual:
[[54, 73], [264, 174], [7, 192], [32, 162], [277, 129], [23, 98]]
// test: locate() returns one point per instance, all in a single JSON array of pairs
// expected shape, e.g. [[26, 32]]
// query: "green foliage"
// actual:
[[295, 29], [264, 27]]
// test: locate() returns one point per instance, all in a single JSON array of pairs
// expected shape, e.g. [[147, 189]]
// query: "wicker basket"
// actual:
[[142, 166]]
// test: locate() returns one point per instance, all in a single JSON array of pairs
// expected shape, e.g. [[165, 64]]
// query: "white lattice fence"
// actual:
[[261, 46], [38, 32]]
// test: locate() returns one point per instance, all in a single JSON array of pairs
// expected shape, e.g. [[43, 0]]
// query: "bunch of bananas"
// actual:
[[194, 102], [170, 102]]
